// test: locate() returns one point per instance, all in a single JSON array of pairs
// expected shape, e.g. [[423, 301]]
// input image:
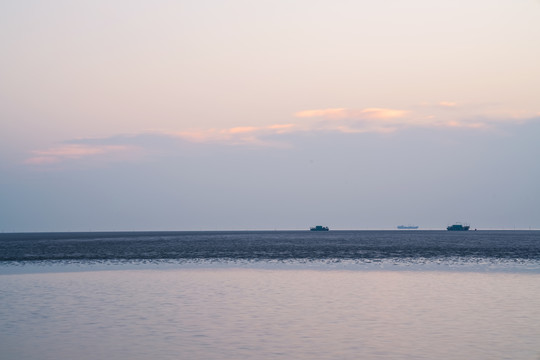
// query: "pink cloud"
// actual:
[[72, 151], [236, 135], [366, 120], [195, 135], [342, 120], [75, 150], [373, 129], [41, 160]]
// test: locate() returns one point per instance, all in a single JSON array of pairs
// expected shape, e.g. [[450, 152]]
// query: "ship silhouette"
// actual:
[[319, 228], [458, 227]]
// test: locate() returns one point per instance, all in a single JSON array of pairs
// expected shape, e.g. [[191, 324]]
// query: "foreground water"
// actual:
[[269, 314], [364, 295]]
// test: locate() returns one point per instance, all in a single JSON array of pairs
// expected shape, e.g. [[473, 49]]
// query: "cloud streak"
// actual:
[[342, 113], [444, 114], [240, 135], [441, 115], [74, 152]]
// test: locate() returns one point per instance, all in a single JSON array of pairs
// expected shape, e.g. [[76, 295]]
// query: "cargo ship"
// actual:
[[458, 227], [407, 227], [319, 228]]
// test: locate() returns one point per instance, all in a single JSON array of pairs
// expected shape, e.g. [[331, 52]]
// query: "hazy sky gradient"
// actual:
[[189, 115]]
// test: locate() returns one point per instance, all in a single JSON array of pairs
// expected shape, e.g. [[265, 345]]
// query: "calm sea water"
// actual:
[[270, 295]]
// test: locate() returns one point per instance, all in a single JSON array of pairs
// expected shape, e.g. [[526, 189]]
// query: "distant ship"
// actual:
[[407, 227], [458, 227], [319, 228]]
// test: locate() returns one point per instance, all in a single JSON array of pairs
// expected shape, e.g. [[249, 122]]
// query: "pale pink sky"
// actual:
[[85, 84]]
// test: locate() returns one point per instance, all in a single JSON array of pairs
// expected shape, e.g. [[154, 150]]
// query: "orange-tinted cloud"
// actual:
[[462, 124], [281, 128], [328, 113], [378, 113], [447, 104], [235, 136], [375, 120], [338, 120], [241, 130], [383, 120], [342, 113]]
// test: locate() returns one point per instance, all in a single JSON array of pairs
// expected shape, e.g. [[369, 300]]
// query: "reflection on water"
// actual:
[[266, 314]]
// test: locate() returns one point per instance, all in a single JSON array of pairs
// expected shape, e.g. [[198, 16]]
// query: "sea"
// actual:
[[411, 294]]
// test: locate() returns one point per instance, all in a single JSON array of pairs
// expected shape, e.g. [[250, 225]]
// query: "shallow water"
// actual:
[[270, 295], [272, 313]]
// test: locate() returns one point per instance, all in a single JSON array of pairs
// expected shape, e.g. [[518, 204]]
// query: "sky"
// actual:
[[244, 115]]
